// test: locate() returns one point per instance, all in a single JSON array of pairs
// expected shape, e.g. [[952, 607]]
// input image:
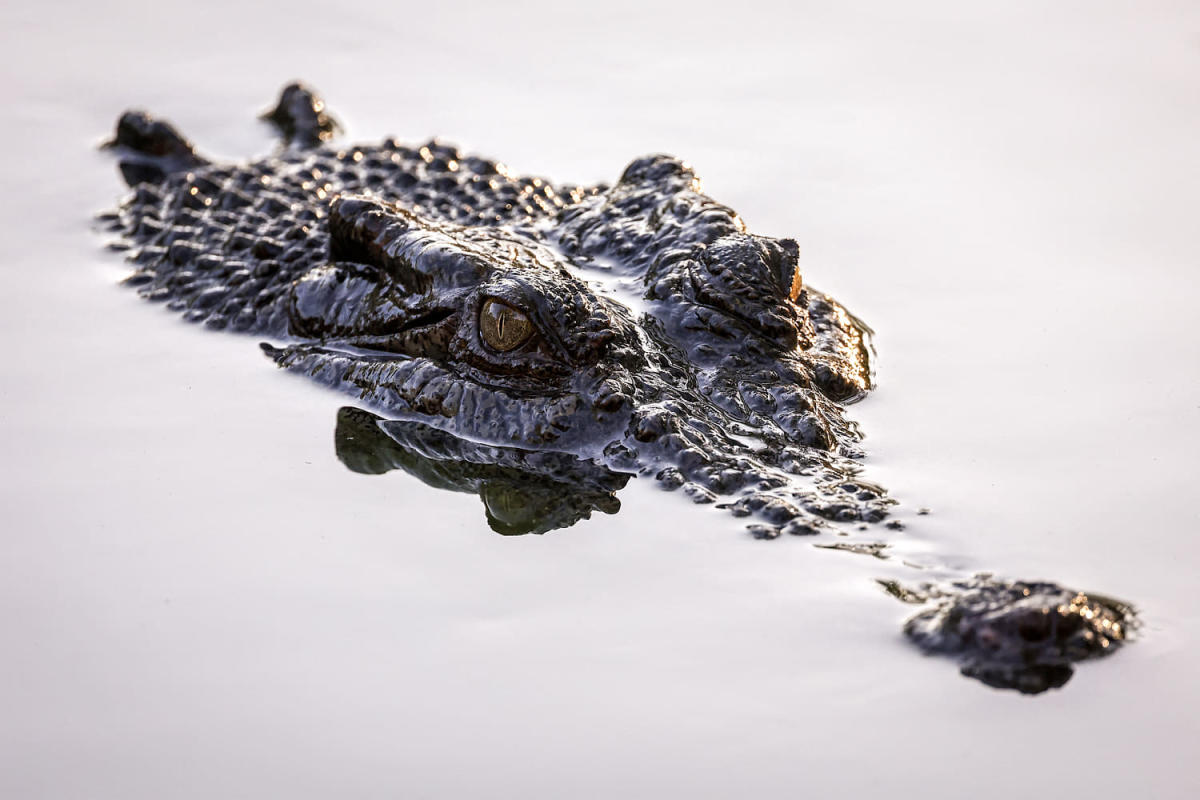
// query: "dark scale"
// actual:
[[466, 304]]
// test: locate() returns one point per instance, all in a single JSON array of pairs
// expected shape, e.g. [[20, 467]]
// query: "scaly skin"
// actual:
[[648, 332]]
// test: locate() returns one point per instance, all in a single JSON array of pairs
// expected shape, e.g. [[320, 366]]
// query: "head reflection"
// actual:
[[522, 491]]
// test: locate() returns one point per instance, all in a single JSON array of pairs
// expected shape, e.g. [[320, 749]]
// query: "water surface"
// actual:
[[201, 601]]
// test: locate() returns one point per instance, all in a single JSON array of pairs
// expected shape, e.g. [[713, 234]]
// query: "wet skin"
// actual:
[[527, 337]]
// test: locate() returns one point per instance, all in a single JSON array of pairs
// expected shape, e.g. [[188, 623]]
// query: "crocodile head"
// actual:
[[527, 335]]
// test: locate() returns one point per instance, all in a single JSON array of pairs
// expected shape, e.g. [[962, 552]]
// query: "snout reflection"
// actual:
[[522, 491]]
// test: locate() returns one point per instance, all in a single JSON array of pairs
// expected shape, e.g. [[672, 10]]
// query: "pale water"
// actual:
[[199, 601]]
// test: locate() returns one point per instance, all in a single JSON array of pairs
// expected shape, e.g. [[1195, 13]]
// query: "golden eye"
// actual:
[[502, 327]]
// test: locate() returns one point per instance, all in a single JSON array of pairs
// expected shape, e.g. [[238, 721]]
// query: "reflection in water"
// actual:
[[522, 491], [1018, 635]]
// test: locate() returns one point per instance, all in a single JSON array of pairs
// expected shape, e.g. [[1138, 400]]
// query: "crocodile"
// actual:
[[541, 343]]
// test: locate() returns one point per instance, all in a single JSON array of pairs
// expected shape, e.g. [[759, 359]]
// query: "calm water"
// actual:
[[200, 601]]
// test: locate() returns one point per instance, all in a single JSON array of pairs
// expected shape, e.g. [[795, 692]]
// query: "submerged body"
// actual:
[[494, 317]]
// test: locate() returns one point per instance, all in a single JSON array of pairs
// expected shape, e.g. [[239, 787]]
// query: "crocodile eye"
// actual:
[[502, 327]]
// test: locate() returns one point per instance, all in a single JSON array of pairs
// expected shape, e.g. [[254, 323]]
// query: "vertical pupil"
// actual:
[[503, 327]]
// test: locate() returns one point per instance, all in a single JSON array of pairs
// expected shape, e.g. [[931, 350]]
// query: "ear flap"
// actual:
[[330, 300], [416, 252], [361, 229], [364, 230]]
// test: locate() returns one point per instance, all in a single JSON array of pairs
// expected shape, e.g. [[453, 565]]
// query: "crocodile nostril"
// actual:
[[1034, 626]]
